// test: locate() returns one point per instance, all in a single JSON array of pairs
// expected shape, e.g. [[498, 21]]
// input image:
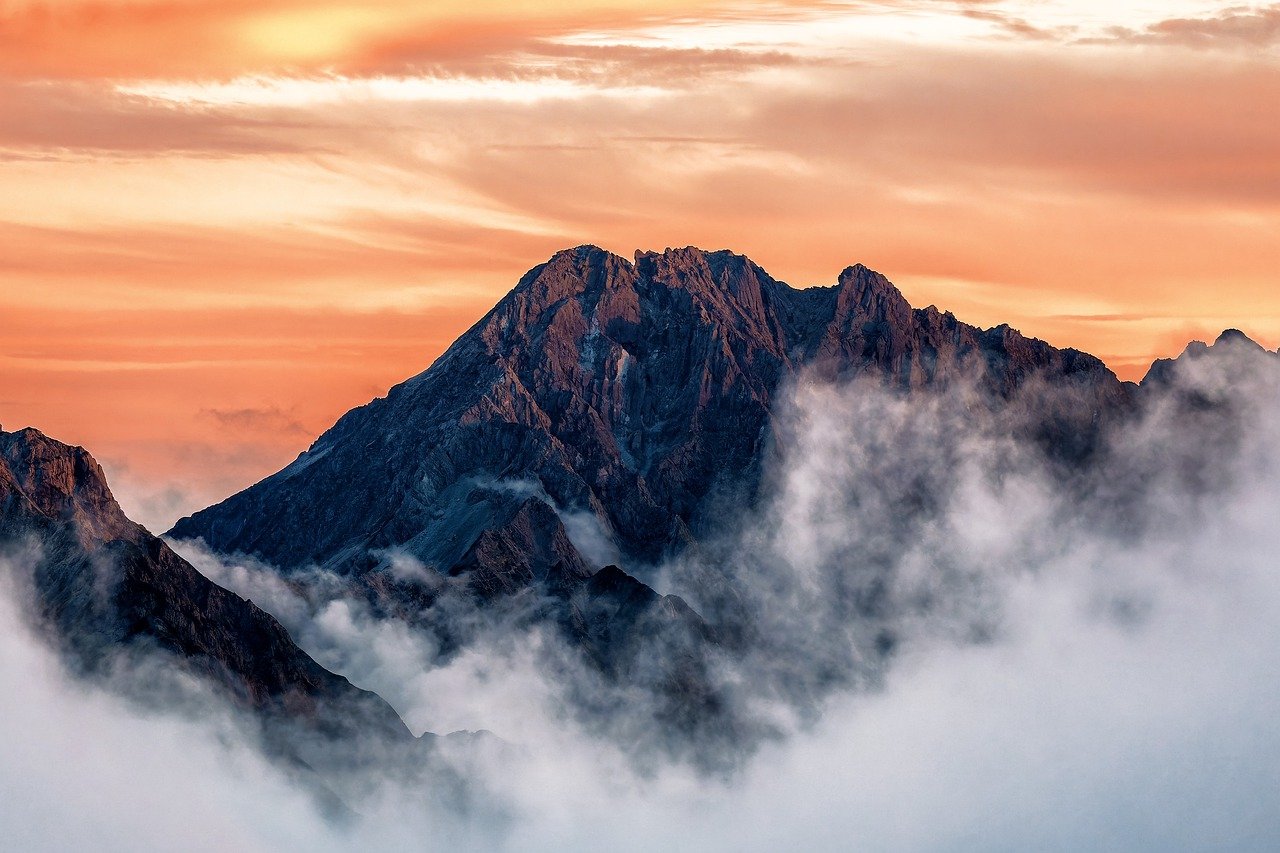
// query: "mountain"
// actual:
[[631, 398], [103, 588], [606, 416], [1232, 342], [611, 412]]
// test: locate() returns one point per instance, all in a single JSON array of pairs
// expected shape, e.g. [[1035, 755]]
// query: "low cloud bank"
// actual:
[[957, 643], [84, 769]]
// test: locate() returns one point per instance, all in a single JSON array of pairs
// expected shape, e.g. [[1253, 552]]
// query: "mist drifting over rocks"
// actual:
[[929, 628]]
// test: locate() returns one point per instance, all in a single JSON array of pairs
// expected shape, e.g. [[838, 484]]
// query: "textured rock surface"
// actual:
[[610, 411], [631, 397], [104, 585]]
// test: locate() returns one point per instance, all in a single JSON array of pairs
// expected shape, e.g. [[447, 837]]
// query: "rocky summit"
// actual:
[[600, 413], [610, 413]]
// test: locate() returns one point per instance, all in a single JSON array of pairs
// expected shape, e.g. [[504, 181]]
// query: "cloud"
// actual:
[[1115, 696], [1235, 28], [1014, 26], [271, 418], [1074, 660], [1105, 318], [96, 118], [84, 767], [221, 39]]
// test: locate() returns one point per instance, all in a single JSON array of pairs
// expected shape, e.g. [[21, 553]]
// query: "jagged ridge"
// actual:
[[634, 393], [104, 584]]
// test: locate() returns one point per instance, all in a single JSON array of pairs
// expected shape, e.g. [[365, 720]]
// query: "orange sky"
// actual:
[[224, 223]]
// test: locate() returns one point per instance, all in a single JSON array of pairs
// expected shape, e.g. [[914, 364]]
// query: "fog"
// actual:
[[957, 644], [85, 769]]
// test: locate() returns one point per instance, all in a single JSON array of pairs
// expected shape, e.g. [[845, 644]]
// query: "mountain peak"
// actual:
[[64, 483], [590, 269], [871, 293], [862, 272], [1162, 370], [1235, 337], [628, 393]]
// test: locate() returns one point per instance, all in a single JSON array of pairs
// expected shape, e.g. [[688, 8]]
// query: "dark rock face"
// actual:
[[608, 410], [634, 396], [529, 547], [103, 584]]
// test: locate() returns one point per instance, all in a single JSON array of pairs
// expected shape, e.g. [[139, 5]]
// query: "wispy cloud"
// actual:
[[264, 419], [1234, 28]]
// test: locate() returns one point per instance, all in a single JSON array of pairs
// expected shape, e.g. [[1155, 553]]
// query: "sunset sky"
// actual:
[[225, 222]]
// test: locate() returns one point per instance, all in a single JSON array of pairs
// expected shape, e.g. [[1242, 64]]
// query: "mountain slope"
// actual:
[[103, 585], [631, 397], [616, 412]]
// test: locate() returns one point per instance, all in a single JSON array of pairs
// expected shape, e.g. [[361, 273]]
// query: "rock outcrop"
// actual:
[[102, 586]]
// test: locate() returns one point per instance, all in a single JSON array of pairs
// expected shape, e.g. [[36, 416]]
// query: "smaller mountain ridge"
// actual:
[[1231, 341], [104, 585]]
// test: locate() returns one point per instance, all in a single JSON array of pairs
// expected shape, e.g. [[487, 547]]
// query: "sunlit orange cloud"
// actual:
[[222, 38], [224, 224]]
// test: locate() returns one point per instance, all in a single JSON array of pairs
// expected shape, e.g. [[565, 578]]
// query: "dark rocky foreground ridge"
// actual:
[[102, 586]]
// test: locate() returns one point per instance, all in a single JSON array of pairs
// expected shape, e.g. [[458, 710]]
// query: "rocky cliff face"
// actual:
[[608, 411], [630, 397], [104, 586]]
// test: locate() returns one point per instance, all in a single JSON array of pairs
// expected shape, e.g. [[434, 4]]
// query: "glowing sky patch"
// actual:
[[313, 92]]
